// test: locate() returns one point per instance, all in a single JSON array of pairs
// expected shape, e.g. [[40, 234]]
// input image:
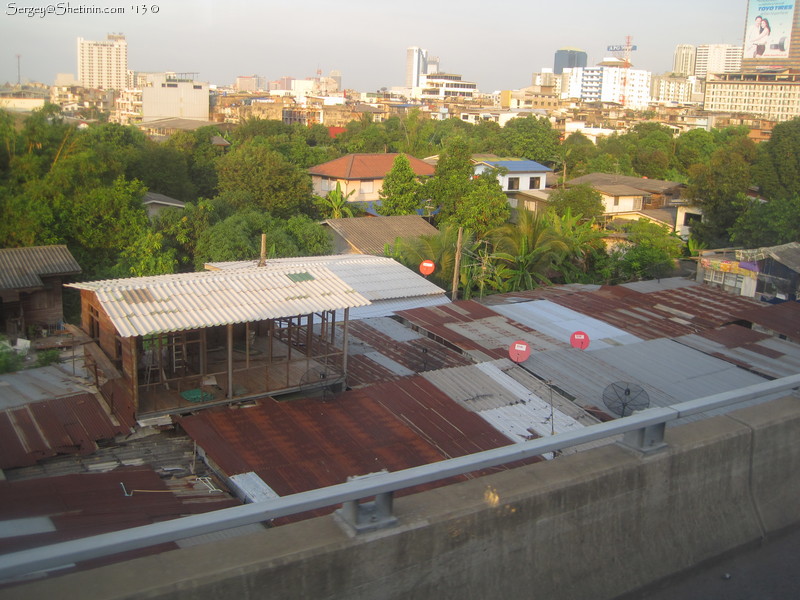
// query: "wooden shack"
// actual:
[[30, 288], [179, 342]]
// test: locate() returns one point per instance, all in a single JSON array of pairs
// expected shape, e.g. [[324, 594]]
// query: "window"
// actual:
[[366, 186], [616, 200], [513, 183], [534, 182]]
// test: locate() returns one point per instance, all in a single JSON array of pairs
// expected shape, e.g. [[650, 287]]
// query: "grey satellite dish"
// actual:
[[623, 398]]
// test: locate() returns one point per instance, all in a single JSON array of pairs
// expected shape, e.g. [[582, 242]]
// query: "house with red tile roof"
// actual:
[[362, 174]]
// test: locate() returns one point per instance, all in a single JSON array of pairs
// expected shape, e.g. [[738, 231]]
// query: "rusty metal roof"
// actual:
[[783, 318], [40, 430], [299, 445], [147, 305], [367, 166], [475, 329], [24, 267], [55, 509]]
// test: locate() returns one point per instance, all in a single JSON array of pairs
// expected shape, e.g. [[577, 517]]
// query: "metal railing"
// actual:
[[643, 430]]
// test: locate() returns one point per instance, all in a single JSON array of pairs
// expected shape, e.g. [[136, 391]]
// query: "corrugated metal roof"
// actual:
[[370, 235], [653, 186], [32, 385], [23, 267], [560, 322], [89, 504], [146, 305], [374, 277], [783, 318], [41, 430], [756, 352], [668, 371], [518, 165]]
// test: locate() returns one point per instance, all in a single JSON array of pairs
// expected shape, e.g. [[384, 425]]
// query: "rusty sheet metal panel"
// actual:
[[58, 426], [783, 319]]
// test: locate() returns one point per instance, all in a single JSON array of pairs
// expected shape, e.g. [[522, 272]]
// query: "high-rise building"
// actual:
[[684, 60], [568, 58], [717, 58], [416, 66], [103, 65], [772, 35], [616, 85]]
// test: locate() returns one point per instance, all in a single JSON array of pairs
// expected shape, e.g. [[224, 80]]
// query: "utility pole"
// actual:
[[19, 78], [457, 266]]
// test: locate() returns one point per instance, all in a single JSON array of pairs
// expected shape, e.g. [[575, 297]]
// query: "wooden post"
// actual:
[[230, 361], [457, 265], [263, 259]]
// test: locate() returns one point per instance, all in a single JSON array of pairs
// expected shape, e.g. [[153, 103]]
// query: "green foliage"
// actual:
[[400, 191], [583, 201], [239, 238], [45, 358], [532, 138], [777, 170], [768, 224], [484, 206], [651, 252], [451, 180], [335, 204], [275, 184], [10, 361]]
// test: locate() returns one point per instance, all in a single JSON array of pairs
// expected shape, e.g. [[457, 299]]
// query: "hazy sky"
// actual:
[[496, 44]]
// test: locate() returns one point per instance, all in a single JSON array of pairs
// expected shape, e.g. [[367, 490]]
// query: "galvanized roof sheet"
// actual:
[[560, 322], [370, 235], [23, 267], [147, 305]]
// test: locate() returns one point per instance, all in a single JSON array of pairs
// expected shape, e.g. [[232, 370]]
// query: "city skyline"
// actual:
[[368, 43]]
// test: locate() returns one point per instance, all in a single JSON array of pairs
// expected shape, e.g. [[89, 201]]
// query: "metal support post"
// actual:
[[646, 440]]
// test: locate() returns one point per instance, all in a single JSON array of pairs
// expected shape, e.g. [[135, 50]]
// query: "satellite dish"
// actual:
[[623, 398], [321, 377]]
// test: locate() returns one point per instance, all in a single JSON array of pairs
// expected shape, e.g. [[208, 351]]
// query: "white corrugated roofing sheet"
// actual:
[[148, 305], [560, 322], [374, 277]]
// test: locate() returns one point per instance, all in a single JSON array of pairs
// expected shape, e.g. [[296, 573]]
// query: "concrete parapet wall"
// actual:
[[590, 525]]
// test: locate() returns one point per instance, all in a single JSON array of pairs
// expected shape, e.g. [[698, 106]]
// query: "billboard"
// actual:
[[769, 29]]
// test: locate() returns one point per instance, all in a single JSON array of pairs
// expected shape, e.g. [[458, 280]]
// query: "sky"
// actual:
[[496, 44]]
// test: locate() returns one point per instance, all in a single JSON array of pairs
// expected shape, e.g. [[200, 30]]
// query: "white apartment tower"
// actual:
[[103, 65], [717, 58], [684, 60]]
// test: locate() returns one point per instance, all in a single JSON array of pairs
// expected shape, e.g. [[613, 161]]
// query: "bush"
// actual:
[[10, 361], [48, 357]]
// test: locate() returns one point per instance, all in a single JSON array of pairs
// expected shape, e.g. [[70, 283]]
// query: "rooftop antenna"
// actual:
[[623, 398], [19, 77]]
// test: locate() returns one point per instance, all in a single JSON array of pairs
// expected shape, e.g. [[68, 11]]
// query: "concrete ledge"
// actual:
[[591, 525]]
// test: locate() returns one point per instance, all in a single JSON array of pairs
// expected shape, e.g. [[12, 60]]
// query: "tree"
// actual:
[[400, 191], [451, 180], [484, 207], [651, 252], [719, 189], [777, 169], [532, 138], [275, 185], [584, 258], [335, 204], [768, 223], [583, 201], [526, 251]]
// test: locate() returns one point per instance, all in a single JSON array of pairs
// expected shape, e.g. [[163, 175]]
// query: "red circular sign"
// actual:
[[519, 351], [426, 267], [579, 340]]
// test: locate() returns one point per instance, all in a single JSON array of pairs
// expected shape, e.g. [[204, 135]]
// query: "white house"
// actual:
[[518, 174]]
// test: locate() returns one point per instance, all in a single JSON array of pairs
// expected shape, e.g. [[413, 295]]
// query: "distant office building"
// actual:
[[684, 59], [416, 66], [444, 85], [103, 65], [250, 83], [174, 95], [773, 95], [717, 58], [772, 37], [568, 58], [676, 89]]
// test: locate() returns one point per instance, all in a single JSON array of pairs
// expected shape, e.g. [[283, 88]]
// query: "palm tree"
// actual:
[[526, 251], [582, 241], [335, 204]]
